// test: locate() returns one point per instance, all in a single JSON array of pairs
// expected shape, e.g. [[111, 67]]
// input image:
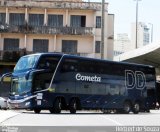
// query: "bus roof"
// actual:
[[115, 62], [94, 59]]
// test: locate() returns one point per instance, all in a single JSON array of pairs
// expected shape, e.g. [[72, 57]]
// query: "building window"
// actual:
[[40, 45], [78, 21], [146, 38], [69, 46], [98, 47], [98, 21], [2, 18], [36, 19], [55, 20], [11, 44], [116, 53], [16, 19]]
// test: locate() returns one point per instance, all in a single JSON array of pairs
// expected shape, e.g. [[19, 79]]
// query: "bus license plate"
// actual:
[[16, 105]]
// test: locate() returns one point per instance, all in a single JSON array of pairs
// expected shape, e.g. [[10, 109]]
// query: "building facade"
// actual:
[[72, 27], [122, 44], [143, 35]]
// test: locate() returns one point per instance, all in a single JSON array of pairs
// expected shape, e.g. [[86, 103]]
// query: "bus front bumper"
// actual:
[[20, 104]]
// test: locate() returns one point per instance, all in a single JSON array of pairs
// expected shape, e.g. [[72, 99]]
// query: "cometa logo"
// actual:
[[80, 77]]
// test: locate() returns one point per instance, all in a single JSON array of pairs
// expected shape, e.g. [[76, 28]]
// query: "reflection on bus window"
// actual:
[[26, 62]]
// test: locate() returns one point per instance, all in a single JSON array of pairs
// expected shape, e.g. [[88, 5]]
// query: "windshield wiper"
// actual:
[[25, 92]]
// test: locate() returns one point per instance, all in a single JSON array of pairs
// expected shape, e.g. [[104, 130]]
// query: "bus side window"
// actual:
[[48, 63], [37, 85], [42, 81], [64, 68], [69, 65], [68, 68], [42, 64]]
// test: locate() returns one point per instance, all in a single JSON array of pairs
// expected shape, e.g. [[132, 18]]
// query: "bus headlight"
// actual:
[[27, 103]]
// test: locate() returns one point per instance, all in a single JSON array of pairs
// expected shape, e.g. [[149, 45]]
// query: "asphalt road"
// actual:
[[82, 118]]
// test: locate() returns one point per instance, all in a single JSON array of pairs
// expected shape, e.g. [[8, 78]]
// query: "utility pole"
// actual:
[[137, 22], [102, 29]]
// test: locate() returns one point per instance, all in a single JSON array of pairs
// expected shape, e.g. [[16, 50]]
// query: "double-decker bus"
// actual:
[[55, 82]]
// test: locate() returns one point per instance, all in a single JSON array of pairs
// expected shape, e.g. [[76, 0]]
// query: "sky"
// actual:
[[125, 14]]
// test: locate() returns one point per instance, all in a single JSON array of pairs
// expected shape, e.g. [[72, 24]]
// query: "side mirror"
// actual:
[[5, 75]]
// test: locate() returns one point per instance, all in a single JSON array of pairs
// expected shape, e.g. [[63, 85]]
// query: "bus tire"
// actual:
[[52, 111], [37, 111], [126, 107], [73, 106], [147, 110], [57, 106], [136, 108]]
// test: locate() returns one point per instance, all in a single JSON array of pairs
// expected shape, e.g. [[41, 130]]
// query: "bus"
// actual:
[[55, 82]]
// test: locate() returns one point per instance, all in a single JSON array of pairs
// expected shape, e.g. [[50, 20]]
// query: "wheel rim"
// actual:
[[58, 107], [136, 107], [73, 106], [127, 107]]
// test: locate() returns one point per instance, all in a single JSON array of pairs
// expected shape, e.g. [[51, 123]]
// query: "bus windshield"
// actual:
[[26, 62], [20, 86]]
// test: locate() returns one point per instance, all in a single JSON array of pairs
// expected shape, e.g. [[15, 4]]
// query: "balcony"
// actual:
[[54, 4], [46, 30], [11, 56]]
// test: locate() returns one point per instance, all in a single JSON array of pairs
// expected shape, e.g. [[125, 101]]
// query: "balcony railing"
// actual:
[[90, 55], [47, 30], [54, 4], [11, 56]]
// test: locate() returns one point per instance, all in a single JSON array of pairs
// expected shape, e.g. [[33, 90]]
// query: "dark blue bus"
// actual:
[[55, 82]]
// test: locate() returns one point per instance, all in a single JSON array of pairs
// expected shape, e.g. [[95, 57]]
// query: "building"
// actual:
[[122, 44], [143, 35], [71, 26]]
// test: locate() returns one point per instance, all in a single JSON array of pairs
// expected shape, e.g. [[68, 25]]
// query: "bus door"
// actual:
[[42, 79], [40, 84]]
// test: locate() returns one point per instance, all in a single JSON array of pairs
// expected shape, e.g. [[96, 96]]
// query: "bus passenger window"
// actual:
[[38, 85], [122, 90], [64, 68], [41, 65], [48, 63]]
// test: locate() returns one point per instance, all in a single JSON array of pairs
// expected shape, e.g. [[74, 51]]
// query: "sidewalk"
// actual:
[[4, 115]]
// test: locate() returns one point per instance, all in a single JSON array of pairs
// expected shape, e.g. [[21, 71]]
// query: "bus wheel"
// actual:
[[57, 106], [126, 107], [37, 111], [73, 106], [148, 110], [136, 108], [52, 110]]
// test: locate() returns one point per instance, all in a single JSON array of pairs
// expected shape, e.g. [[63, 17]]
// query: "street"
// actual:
[[82, 118]]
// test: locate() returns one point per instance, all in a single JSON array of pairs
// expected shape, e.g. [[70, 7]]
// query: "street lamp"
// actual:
[[137, 22], [102, 29]]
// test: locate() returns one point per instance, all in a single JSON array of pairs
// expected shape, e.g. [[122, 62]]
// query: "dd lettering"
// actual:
[[135, 79]]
